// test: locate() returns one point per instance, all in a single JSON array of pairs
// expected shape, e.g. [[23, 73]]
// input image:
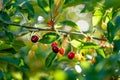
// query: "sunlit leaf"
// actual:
[[89, 45], [49, 37], [76, 43], [50, 59], [71, 24], [96, 17], [101, 52], [85, 66]]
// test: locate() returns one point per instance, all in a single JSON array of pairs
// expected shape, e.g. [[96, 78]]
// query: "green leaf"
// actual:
[[7, 48], [117, 23], [43, 5], [101, 52], [49, 37], [24, 68], [6, 3], [25, 6], [10, 50], [111, 31], [23, 51], [112, 4], [10, 35], [4, 46], [1, 25], [16, 61], [17, 46], [76, 43], [1, 75], [30, 9], [4, 16], [11, 60], [116, 45], [51, 2], [69, 3], [71, 24], [90, 45], [50, 59]]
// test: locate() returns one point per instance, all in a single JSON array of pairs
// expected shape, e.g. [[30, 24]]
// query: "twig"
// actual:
[[47, 29]]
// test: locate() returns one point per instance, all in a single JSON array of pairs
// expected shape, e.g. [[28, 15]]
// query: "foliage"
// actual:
[[89, 28]]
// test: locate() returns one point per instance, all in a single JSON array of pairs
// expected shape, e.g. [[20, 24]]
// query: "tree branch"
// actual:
[[47, 29]]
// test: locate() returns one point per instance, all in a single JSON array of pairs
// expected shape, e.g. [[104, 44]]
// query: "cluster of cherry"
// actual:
[[55, 47]]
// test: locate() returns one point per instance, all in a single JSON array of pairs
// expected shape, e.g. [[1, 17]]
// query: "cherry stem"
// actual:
[[47, 29]]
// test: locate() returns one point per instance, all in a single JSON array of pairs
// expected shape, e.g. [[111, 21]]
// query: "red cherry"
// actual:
[[54, 44], [55, 49], [61, 51], [34, 38], [71, 55]]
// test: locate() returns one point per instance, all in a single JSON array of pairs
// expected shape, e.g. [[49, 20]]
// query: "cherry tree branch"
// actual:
[[47, 29]]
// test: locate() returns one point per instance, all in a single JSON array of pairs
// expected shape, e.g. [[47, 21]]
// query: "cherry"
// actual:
[[55, 49], [93, 60], [54, 44], [71, 55], [34, 38], [61, 51]]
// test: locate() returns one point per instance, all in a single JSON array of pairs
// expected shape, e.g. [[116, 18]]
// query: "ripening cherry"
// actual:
[[71, 55], [55, 49], [91, 50], [34, 38], [104, 26], [54, 44], [77, 57], [61, 51], [93, 60], [31, 53]]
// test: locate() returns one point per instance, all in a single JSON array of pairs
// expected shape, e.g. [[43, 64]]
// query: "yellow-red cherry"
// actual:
[[61, 51]]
